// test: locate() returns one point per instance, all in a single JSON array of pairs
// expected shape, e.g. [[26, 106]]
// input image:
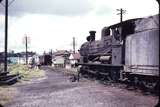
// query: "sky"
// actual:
[[52, 24]]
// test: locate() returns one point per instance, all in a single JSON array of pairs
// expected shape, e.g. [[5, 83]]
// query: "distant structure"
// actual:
[[121, 14], [17, 58], [60, 58], [26, 45], [74, 45], [74, 58]]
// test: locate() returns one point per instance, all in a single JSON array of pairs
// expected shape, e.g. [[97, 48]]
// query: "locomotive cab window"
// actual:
[[107, 32]]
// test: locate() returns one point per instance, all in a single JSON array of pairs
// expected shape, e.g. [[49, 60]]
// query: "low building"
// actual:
[[60, 58], [1, 57], [74, 58], [22, 57], [59, 61], [11, 57], [17, 58]]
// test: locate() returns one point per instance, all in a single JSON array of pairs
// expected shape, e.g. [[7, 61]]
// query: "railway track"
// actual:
[[120, 84], [8, 79]]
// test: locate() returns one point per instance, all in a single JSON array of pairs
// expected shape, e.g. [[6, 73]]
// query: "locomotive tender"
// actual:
[[127, 51]]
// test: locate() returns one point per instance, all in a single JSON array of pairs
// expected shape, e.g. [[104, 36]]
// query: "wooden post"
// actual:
[[26, 43], [121, 14], [6, 35], [74, 45]]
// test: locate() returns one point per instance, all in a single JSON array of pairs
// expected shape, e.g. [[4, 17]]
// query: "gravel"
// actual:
[[56, 90]]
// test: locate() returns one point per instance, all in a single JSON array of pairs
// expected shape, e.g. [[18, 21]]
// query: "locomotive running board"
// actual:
[[104, 65]]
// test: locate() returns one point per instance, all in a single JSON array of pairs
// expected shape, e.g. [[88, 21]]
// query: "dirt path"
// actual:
[[57, 91]]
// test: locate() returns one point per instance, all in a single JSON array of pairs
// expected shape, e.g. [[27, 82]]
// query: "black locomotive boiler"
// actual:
[[45, 59], [128, 51]]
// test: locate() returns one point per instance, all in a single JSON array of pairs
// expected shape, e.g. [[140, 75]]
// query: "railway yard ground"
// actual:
[[55, 89]]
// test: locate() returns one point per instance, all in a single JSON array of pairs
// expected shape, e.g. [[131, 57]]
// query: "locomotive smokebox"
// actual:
[[92, 35]]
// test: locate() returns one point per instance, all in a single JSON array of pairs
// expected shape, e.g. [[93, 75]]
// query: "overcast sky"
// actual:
[[51, 24]]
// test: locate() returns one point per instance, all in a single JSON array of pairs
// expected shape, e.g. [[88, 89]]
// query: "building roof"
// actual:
[[61, 53], [21, 54], [75, 56], [58, 60]]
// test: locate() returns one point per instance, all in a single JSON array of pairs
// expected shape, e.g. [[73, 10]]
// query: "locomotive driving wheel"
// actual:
[[150, 85]]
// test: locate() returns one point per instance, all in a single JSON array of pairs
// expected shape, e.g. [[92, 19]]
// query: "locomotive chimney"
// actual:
[[92, 35]]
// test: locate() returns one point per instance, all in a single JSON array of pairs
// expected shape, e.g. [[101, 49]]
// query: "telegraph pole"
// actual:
[[121, 12], [26, 44], [6, 35], [74, 45]]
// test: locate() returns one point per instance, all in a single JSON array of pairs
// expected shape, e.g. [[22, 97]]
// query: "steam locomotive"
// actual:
[[128, 51]]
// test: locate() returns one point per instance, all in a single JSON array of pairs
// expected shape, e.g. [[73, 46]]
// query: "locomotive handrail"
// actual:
[[145, 69], [143, 65], [106, 65]]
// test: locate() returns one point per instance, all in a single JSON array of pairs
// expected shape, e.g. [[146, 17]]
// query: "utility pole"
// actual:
[[26, 44], [74, 45], [51, 52], [121, 14], [6, 35], [6, 32]]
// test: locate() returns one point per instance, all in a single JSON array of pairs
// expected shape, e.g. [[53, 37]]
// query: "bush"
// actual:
[[25, 72]]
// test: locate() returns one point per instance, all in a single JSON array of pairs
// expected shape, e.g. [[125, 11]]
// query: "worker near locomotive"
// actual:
[[127, 52]]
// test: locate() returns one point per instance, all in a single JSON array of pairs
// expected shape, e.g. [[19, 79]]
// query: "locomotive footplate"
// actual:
[[103, 65]]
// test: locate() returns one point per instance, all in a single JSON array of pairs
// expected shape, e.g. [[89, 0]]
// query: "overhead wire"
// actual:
[[8, 4]]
